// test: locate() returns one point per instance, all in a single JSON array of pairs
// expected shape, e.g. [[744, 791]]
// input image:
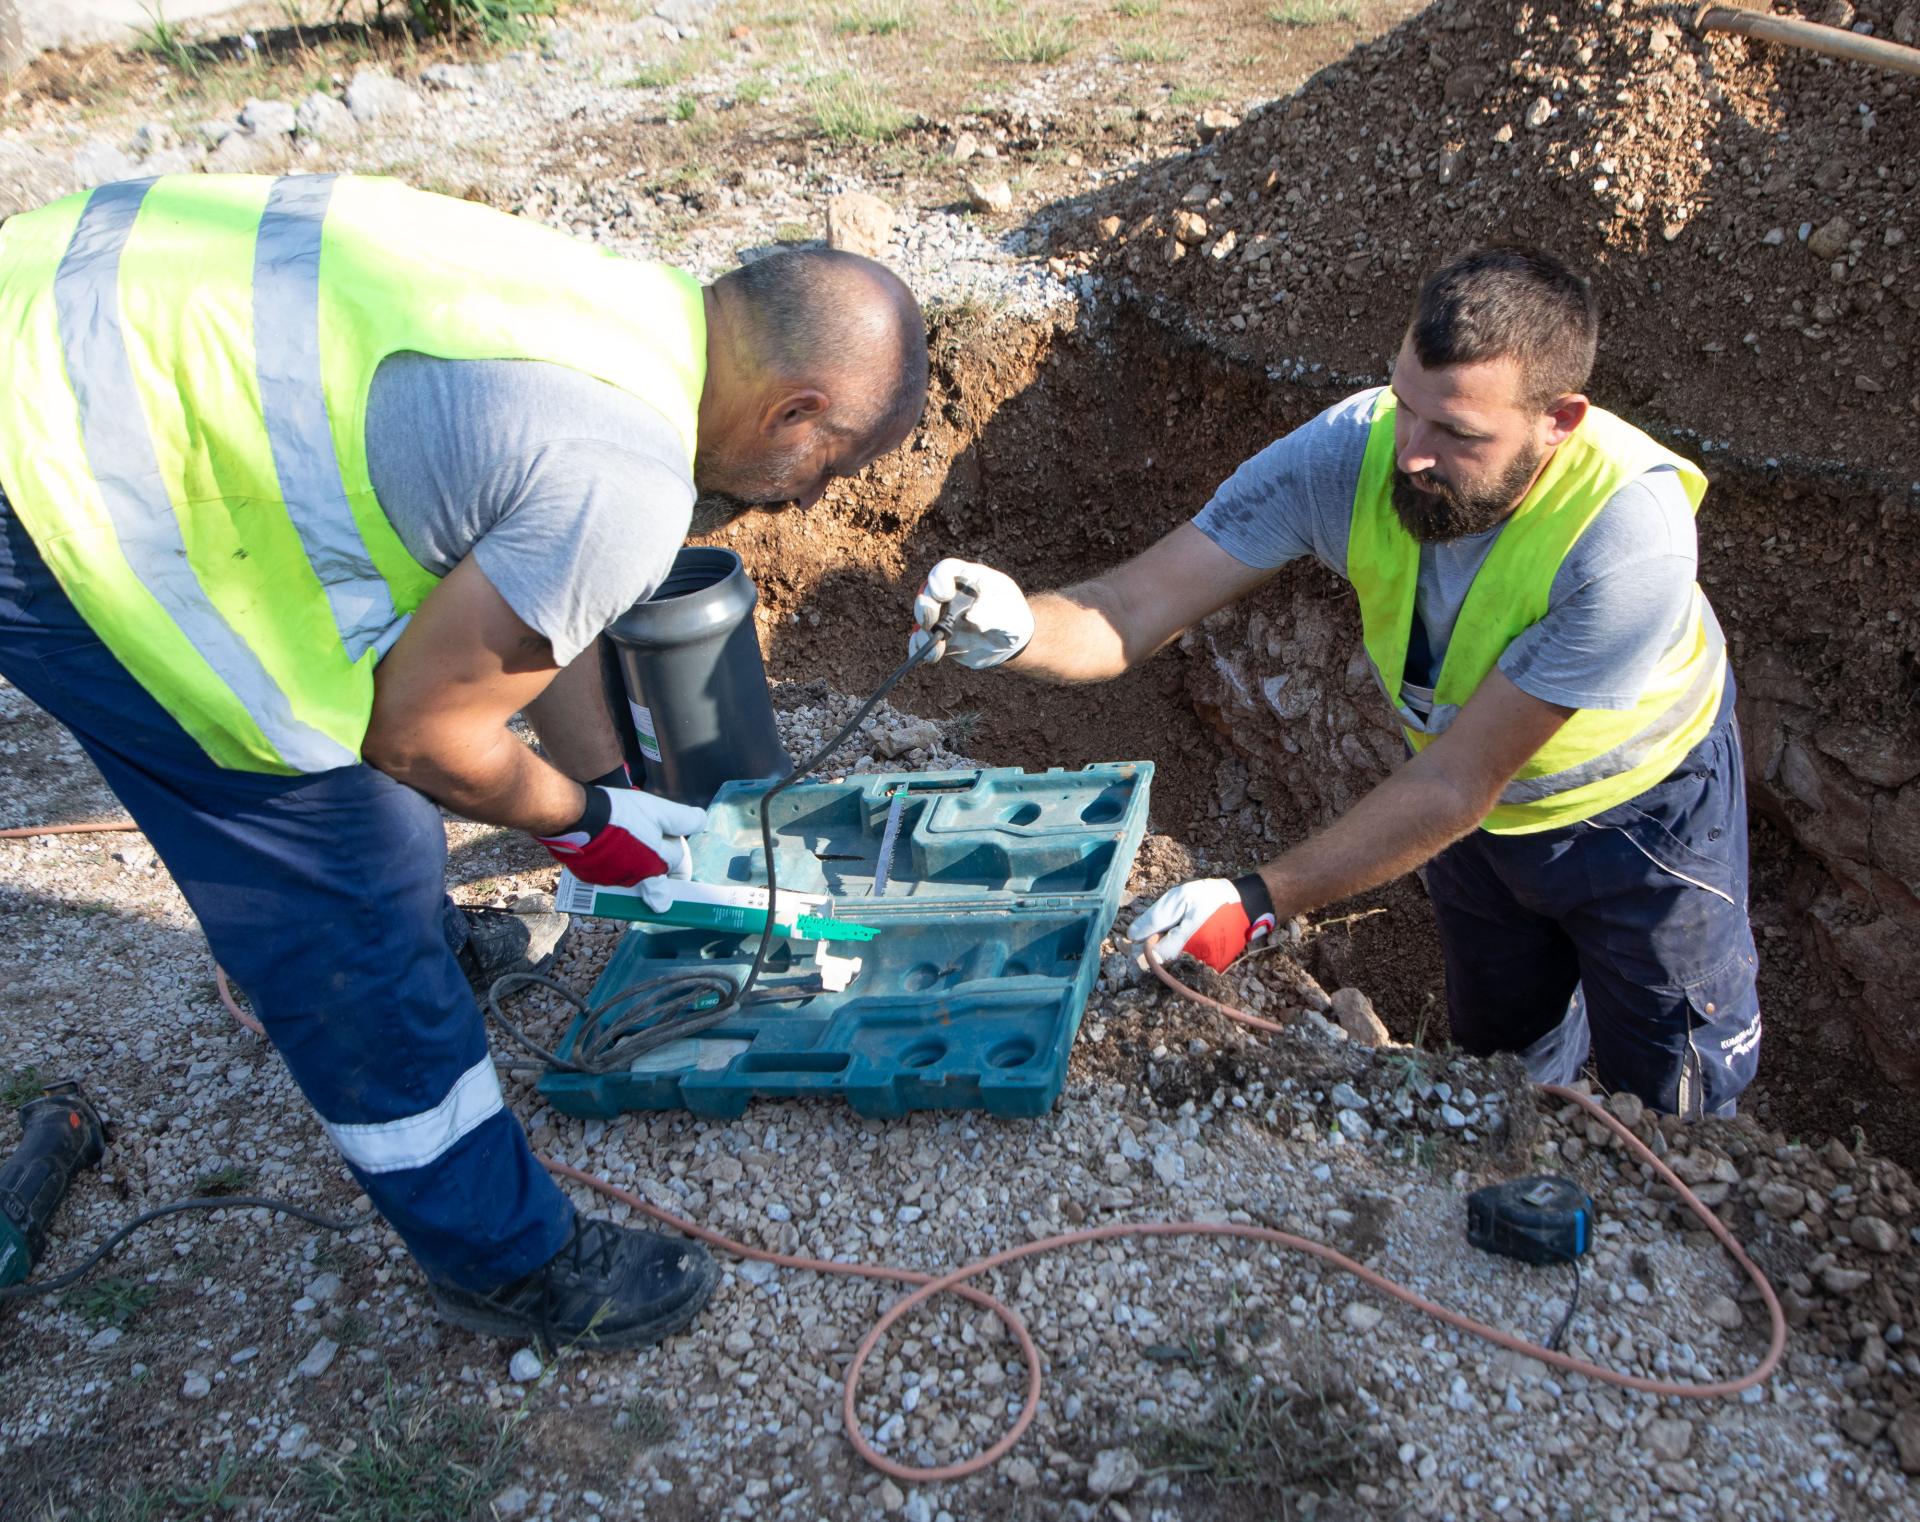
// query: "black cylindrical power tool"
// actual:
[[60, 1133]]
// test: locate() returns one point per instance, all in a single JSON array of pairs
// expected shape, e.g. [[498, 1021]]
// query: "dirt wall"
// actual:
[[1054, 453]]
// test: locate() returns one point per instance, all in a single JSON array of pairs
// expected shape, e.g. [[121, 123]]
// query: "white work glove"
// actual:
[[625, 836], [995, 622], [1210, 918]]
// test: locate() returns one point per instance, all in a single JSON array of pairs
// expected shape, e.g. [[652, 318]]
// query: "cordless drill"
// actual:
[[60, 1133]]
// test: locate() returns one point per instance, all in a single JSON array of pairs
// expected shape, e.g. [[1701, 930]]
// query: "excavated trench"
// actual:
[[1052, 453]]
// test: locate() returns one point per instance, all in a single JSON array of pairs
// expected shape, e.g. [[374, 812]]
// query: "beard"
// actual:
[[767, 483], [1448, 512]]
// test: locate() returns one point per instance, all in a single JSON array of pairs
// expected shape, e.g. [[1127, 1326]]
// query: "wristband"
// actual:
[[1258, 903]]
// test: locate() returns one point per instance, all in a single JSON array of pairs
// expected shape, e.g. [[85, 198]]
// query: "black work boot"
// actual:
[[609, 1287], [500, 941]]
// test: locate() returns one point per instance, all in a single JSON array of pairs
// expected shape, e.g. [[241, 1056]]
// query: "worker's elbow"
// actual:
[[396, 752]]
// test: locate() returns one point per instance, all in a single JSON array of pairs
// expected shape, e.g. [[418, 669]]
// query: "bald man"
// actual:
[[286, 540]]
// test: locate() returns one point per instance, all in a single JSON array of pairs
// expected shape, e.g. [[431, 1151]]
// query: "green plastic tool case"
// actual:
[[1002, 885]]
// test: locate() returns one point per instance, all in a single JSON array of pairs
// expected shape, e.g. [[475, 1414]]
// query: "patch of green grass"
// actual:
[[1192, 95], [496, 21], [352, 1329], [1032, 39], [420, 1459], [752, 90], [1281, 1445], [211, 1494], [112, 1301], [1151, 50], [963, 729], [22, 1084], [645, 1422], [793, 232], [1426, 1153], [847, 106], [875, 21], [657, 76], [133, 1503], [686, 108], [1133, 9], [232, 1179], [1309, 13], [166, 42]]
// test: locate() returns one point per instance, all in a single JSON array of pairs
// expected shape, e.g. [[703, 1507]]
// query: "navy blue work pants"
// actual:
[[1625, 934], [322, 896]]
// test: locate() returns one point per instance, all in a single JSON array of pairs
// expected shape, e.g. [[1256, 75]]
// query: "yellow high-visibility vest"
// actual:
[[183, 424], [1599, 757]]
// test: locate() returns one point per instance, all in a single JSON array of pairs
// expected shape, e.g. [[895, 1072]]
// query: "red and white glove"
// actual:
[[625, 836], [1210, 918]]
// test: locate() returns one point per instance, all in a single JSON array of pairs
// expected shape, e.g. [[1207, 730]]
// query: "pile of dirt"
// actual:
[[1745, 210]]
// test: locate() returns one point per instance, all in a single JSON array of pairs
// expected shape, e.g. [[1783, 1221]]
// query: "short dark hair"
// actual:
[[809, 310], [1509, 302]]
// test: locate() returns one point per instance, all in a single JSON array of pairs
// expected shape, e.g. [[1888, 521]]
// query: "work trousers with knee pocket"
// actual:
[[323, 897], [1624, 936]]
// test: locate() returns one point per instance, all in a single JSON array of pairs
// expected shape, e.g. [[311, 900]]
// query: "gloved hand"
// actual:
[[995, 622], [624, 836], [1210, 918]]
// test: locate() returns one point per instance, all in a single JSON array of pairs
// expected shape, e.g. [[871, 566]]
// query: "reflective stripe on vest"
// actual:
[[1598, 758], [183, 429]]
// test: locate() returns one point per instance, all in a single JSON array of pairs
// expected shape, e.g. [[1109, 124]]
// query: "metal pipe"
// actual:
[[1811, 35]]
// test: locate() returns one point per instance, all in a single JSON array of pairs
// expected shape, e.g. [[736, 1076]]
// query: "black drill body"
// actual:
[[60, 1133]]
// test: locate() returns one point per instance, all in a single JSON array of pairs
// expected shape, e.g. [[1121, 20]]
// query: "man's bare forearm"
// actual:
[[1402, 824], [495, 781], [1076, 637]]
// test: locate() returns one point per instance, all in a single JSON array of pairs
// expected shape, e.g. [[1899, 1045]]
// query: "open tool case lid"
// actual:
[[997, 893]]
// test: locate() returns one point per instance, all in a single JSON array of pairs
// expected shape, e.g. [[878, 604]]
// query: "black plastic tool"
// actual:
[[60, 1133], [1544, 1218]]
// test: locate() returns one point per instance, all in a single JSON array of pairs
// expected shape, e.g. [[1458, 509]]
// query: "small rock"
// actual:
[[1190, 228], [1361, 1317], [1722, 1311], [1467, 82], [1874, 1234], [105, 1338], [917, 1509], [512, 1502], [1346, 1097], [1844, 1281], [323, 1288], [890, 1496], [1169, 1166], [525, 1367], [1352, 1124], [1781, 1200], [154, 137], [97, 163], [267, 118], [1668, 1438], [1628, 1108], [448, 76], [1539, 113], [1354, 1013], [989, 195], [1214, 121], [318, 1359], [1109, 227], [243, 153], [963, 147], [376, 96], [1904, 1429], [196, 1386], [860, 224], [739, 1343], [1115, 1471], [1452, 1117], [1021, 1473], [1829, 240], [1861, 1425], [293, 1440], [322, 118]]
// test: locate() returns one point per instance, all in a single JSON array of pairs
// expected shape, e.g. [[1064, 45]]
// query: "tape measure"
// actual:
[[1544, 1218]]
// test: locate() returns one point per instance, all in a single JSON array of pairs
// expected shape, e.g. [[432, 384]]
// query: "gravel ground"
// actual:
[[273, 1367]]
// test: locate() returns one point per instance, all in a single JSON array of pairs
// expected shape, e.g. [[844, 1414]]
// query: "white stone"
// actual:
[[1361, 1317], [1115, 1471], [196, 1386], [323, 118], [525, 1367], [376, 96], [318, 1359], [267, 118]]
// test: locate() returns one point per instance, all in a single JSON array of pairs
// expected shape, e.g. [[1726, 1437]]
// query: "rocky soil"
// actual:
[[262, 1367]]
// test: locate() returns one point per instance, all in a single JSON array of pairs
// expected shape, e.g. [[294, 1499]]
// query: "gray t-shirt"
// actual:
[[1620, 600], [572, 495]]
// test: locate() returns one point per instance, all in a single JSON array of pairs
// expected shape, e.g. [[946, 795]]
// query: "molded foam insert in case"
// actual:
[[1002, 885]]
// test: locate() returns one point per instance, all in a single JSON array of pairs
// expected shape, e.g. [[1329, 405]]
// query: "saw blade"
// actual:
[[889, 842]]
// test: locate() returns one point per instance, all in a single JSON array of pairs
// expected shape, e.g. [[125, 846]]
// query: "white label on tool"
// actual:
[[643, 727]]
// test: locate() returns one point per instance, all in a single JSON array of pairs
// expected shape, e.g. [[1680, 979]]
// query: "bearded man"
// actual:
[[1524, 563]]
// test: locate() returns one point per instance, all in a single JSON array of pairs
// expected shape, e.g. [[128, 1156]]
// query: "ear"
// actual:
[[799, 407], [1564, 415]]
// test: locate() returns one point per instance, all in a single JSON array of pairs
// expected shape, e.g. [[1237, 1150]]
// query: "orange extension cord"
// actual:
[[956, 1281]]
